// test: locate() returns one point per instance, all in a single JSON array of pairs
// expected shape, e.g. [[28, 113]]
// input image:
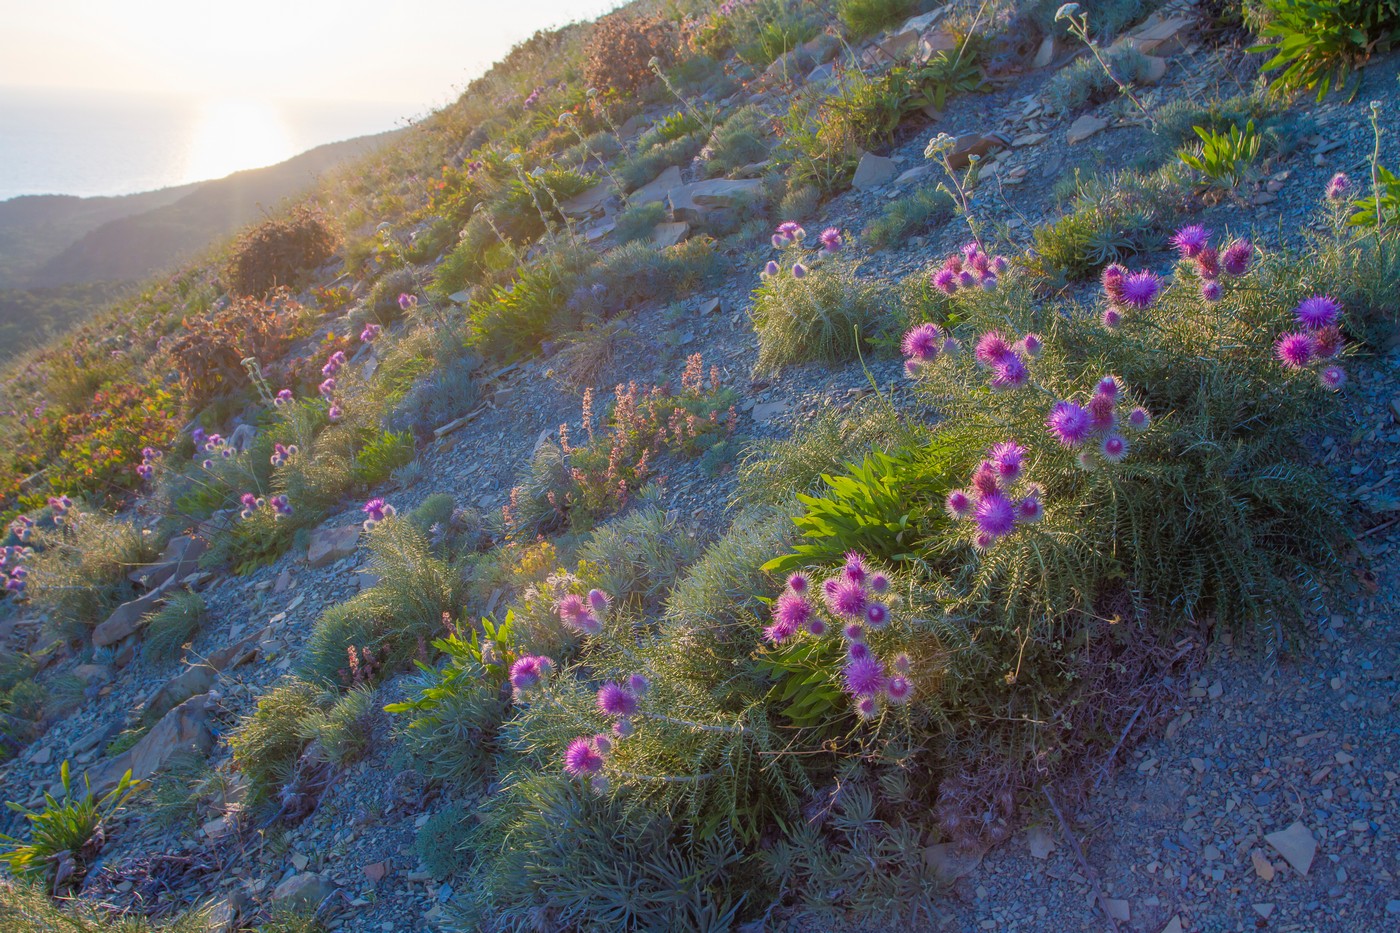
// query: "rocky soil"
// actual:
[[1272, 800]]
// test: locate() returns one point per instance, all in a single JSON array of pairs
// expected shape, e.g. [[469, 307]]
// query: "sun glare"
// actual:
[[232, 134]]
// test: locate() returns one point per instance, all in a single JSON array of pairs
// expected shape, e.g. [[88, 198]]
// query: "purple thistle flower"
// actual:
[[1010, 372], [1000, 264], [1108, 386], [1114, 448], [1139, 419], [959, 504], [582, 757], [995, 515], [1327, 342], [284, 397], [988, 281], [639, 684], [377, 509], [791, 230], [1140, 289], [879, 583], [867, 708], [966, 278], [281, 506], [327, 388], [1114, 278], [1236, 257], [847, 598], [1030, 509], [831, 239], [249, 500], [985, 480], [1112, 318], [407, 302], [854, 569], [603, 744], [1085, 461], [1069, 423], [599, 601], [923, 343], [1101, 414], [1208, 263], [1332, 377], [623, 728], [1211, 290], [946, 281], [816, 625], [1007, 458], [901, 664], [370, 333], [992, 348], [864, 677], [525, 673], [334, 413], [799, 271], [1317, 312], [898, 689], [1032, 345], [571, 608], [798, 583], [857, 650], [1294, 351], [616, 700], [778, 241], [877, 614], [771, 269], [1190, 240], [790, 613], [853, 631], [1338, 187], [145, 471]]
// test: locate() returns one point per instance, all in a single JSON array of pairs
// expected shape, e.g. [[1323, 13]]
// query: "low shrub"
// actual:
[[342, 733], [620, 48], [1084, 83], [636, 222], [644, 165], [639, 272], [173, 626], [208, 354], [443, 842], [267, 743], [381, 455], [383, 302], [27, 906], [448, 393], [919, 213], [741, 140], [511, 321], [863, 18], [823, 312], [638, 556], [274, 253]]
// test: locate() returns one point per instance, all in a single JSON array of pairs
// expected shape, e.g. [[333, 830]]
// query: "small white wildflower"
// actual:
[[938, 145], [1068, 11]]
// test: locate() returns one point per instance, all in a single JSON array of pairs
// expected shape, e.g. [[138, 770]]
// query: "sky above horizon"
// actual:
[[420, 53]]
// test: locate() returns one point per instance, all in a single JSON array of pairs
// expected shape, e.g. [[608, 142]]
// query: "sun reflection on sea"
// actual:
[[235, 133]]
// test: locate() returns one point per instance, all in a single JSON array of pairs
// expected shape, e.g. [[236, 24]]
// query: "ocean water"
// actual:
[[99, 143]]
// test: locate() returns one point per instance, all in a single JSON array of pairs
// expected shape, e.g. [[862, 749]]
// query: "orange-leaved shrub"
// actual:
[[275, 252], [621, 48], [209, 353]]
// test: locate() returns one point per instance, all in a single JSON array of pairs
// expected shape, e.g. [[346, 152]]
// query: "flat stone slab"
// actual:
[[329, 545]]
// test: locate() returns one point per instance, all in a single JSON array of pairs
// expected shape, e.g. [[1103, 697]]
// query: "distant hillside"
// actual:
[[133, 246]]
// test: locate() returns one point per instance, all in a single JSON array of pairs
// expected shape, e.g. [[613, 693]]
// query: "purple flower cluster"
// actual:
[[1319, 339], [407, 302], [586, 755], [22, 527], [377, 510], [529, 672], [12, 569], [281, 508], [370, 333], [1100, 422], [327, 388], [1127, 289], [855, 601], [923, 345], [1007, 360], [1338, 187], [969, 268], [251, 503], [584, 614], [831, 240], [334, 364], [283, 398], [281, 453], [146, 469], [789, 233], [998, 499]]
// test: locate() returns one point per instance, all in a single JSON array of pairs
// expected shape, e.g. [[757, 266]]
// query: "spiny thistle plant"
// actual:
[[812, 306], [1208, 510]]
